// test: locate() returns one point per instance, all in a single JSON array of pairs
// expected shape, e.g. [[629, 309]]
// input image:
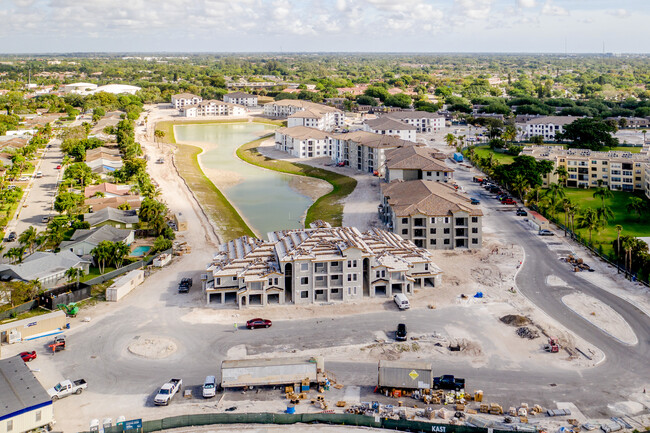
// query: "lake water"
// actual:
[[263, 197]]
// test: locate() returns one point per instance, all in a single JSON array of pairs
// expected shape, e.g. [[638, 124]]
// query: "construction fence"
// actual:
[[307, 418]]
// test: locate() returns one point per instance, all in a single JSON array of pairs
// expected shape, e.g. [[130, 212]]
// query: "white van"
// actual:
[[402, 301], [209, 387]]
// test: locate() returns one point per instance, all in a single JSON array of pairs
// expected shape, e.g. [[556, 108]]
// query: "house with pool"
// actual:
[[319, 264]]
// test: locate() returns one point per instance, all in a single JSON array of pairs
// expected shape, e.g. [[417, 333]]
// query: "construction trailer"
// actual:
[[33, 327], [245, 373], [404, 375]]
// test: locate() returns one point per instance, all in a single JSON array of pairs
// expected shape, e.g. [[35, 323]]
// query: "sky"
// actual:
[[535, 26]]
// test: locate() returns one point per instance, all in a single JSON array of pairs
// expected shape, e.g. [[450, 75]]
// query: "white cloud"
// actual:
[[474, 9], [552, 9], [621, 13], [524, 4]]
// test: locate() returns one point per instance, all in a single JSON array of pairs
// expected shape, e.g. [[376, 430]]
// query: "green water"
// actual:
[[263, 197]]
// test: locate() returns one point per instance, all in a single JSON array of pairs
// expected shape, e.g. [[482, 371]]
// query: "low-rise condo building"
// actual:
[[183, 99], [241, 98]]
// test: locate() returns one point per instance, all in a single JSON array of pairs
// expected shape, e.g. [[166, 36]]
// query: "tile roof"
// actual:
[[555, 120], [99, 203], [303, 133], [185, 96], [426, 197], [414, 158], [240, 95], [106, 187], [386, 123], [398, 115], [371, 139]]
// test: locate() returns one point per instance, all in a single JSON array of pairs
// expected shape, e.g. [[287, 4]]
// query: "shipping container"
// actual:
[[271, 371], [405, 375]]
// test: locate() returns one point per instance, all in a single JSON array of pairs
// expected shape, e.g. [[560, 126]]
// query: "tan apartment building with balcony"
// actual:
[[321, 264], [303, 142], [616, 170], [183, 99], [317, 116], [414, 163], [431, 214]]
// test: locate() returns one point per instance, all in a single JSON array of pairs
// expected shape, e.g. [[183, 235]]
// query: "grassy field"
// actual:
[[328, 207], [630, 222], [501, 158]]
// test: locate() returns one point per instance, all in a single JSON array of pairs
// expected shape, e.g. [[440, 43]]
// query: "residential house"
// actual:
[[323, 264], [319, 116], [183, 99], [79, 88], [104, 162], [107, 190], [96, 204], [303, 142], [616, 170], [547, 126], [26, 405], [365, 151], [631, 122], [415, 162], [431, 214], [123, 219], [241, 98], [48, 268], [212, 108], [83, 241], [387, 126], [423, 121], [102, 151]]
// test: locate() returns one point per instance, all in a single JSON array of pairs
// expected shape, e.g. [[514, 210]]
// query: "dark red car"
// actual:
[[28, 356], [258, 323], [508, 201], [58, 167]]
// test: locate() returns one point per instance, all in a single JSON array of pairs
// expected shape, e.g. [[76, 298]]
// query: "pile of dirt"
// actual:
[[465, 347], [515, 320], [526, 332]]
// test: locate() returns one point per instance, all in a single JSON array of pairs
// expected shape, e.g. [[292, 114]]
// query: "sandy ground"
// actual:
[[601, 315], [360, 207]]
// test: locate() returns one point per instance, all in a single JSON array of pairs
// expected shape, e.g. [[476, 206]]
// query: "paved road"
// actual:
[[40, 193]]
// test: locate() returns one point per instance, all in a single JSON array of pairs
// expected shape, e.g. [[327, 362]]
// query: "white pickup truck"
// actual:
[[167, 392], [67, 387]]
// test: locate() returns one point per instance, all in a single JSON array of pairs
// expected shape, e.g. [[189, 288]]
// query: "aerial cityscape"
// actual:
[[332, 216]]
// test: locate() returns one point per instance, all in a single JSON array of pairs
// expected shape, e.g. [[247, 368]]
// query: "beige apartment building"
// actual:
[[416, 162], [431, 214], [320, 264], [306, 113], [616, 170]]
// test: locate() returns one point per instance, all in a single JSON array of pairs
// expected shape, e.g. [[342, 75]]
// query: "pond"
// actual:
[[264, 198]]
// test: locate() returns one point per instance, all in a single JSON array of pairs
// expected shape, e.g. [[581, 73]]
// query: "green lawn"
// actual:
[[630, 222], [501, 158], [329, 207]]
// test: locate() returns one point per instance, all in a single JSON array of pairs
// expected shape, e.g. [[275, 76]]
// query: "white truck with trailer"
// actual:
[[167, 392]]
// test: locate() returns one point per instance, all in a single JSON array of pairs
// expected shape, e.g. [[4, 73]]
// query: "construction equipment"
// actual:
[[58, 344], [70, 310], [553, 345]]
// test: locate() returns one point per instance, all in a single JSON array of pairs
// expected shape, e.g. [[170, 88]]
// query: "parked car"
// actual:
[[209, 387], [400, 334], [258, 323], [28, 356], [45, 219], [545, 232], [184, 285], [160, 161], [23, 179], [11, 237], [521, 212], [167, 392], [38, 175], [475, 201], [58, 167], [448, 382], [508, 201]]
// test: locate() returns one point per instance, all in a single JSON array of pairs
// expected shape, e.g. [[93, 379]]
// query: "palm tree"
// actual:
[[572, 210], [644, 132], [628, 244], [74, 274], [120, 251], [450, 139], [28, 238], [532, 197], [605, 214], [555, 192], [562, 174], [520, 185], [603, 193], [159, 135], [619, 229], [588, 219], [636, 205], [566, 205], [102, 253]]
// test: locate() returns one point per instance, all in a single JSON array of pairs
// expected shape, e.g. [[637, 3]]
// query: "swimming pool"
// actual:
[[140, 251]]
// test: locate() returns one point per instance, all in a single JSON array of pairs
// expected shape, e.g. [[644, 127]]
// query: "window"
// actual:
[[446, 231], [234, 278], [304, 295], [304, 280], [426, 266], [446, 220], [446, 241], [304, 266], [474, 241], [352, 263], [475, 219], [217, 281], [352, 277], [474, 229], [433, 220], [432, 241], [432, 231], [405, 231], [405, 220]]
